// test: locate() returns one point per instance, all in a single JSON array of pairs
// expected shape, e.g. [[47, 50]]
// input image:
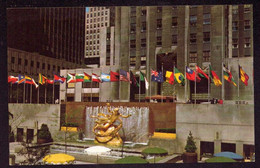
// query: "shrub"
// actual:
[[154, 151], [44, 133], [190, 145], [131, 160], [166, 130]]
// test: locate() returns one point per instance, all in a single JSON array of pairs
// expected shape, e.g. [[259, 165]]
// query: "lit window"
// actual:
[[159, 9], [206, 18], [247, 42], [235, 9], [246, 8], [193, 20], [234, 43], [159, 23]]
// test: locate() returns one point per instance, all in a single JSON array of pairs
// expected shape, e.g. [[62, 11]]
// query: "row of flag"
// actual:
[[156, 76]]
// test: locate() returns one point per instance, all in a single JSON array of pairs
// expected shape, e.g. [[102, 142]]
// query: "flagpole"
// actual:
[[24, 92], [91, 85], [110, 84], [38, 94], [31, 95], [222, 94], [119, 87], [150, 85], [45, 91], [173, 97], [11, 93], [238, 80], [17, 88], [162, 85], [195, 86], [53, 92], [139, 85], [208, 82]]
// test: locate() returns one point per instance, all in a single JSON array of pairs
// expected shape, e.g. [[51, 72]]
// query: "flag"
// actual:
[[12, 79], [35, 84], [95, 78], [133, 79], [49, 81], [143, 78], [214, 77], [228, 76], [87, 77], [154, 73], [59, 79], [105, 77], [179, 77], [158, 78], [21, 79], [201, 73], [169, 77], [42, 79], [124, 76], [191, 75], [71, 78], [243, 76], [80, 77], [114, 76], [28, 80]]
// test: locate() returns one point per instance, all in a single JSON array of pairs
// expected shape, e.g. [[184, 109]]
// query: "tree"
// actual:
[[190, 145]]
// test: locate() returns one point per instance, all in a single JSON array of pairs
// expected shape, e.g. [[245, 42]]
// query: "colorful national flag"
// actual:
[[169, 77], [228, 76], [35, 84], [143, 78], [21, 79], [105, 77], [214, 77], [79, 77], [58, 78], [12, 79], [87, 77], [179, 77], [28, 80], [158, 78], [114, 76], [71, 78], [133, 79], [49, 81], [154, 73], [95, 78], [243, 76], [42, 79], [201, 73], [124, 76]]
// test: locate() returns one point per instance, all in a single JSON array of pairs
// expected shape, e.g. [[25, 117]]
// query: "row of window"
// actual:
[[194, 56], [97, 25], [206, 37], [92, 53], [89, 36], [94, 31], [92, 42], [90, 47], [90, 15], [247, 43], [246, 9], [97, 19], [206, 19], [26, 63], [247, 25]]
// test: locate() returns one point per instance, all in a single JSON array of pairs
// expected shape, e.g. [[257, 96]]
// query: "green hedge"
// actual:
[[166, 130], [70, 125], [154, 151], [131, 160]]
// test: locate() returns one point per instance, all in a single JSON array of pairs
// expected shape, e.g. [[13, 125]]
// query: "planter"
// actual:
[[41, 141], [69, 129], [189, 157], [162, 135]]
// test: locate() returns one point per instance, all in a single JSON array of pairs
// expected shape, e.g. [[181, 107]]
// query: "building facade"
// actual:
[[164, 37], [97, 18], [43, 40]]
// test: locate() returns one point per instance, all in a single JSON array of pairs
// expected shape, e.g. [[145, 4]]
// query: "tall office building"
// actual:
[[97, 18], [44, 40]]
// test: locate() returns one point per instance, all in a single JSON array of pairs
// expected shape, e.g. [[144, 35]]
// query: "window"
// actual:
[[87, 15], [108, 48], [193, 56], [206, 56], [54, 67], [98, 25], [106, 24], [174, 40], [97, 41], [143, 42], [193, 20], [105, 18], [38, 65], [102, 24], [235, 9], [246, 8], [94, 19], [58, 68], [143, 12], [32, 63], [206, 18], [143, 28], [94, 14], [87, 20], [159, 40], [174, 7], [102, 13], [98, 19], [132, 43], [247, 42], [97, 52], [159, 9], [98, 15], [234, 25], [234, 43], [25, 62], [174, 22], [206, 37], [132, 60], [132, 28], [159, 23], [12, 60], [49, 66], [19, 61], [106, 13], [102, 19], [43, 65], [193, 38], [247, 24]]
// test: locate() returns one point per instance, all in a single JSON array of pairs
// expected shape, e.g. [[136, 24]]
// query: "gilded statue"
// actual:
[[106, 127]]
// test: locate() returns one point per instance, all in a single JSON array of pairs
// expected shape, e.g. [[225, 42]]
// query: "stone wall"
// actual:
[[226, 123], [32, 116]]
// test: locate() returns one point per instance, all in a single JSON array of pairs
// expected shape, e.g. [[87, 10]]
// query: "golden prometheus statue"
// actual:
[[106, 129]]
